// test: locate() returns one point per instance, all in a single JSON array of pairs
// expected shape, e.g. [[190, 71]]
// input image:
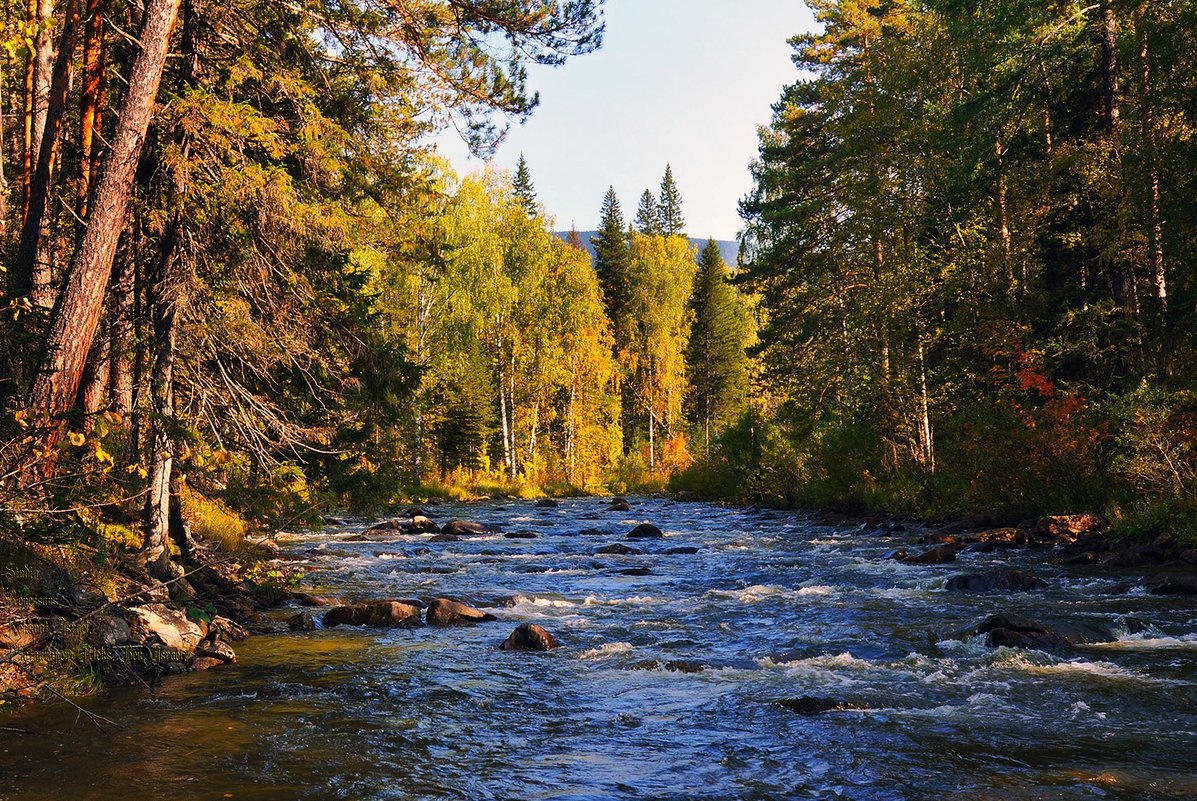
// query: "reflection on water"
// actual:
[[664, 686]]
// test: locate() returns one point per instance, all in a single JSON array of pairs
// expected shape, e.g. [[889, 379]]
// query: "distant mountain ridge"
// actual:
[[729, 249]]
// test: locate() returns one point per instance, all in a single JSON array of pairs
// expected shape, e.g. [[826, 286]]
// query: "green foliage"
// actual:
[[670, 219], [716, 363]]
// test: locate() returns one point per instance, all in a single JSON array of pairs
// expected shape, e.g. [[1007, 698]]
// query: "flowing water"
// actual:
[[665, 684]]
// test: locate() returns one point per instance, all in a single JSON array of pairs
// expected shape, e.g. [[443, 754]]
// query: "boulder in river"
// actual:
[[681, 550], [1019, 632], [813, 705], [991, 580], [619, 506], [547, 503], [444, 538], [645, 531], [170, 626], [521, 535], [464, 528], [421, 524], [1068, 527], [620, 549], [593, 532], [447, 612], [632, 571], [301, 621], [1175, 586], [382, 614], [672, 665], [529, 637], [933, 556]]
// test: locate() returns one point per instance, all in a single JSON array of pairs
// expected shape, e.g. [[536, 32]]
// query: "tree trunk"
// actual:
[[928, 435], [1155, 224], [166, 296], [77, 311], [91, 100], [25, 278], [33, 253]]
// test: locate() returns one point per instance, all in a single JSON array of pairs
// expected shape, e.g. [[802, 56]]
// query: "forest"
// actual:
[[243, 290]]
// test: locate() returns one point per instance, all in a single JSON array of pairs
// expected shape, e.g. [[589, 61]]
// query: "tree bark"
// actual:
[[77, 311], [91, 100], [33, 252], [1155, 224]]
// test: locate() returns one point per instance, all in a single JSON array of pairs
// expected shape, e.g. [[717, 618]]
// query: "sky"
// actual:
[[683, 82]]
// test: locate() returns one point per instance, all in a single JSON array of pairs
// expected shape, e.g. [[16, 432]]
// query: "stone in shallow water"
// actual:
[[547, 503], [447, 612], [529, 637], [1000, 579], [682, 550], [521, 535], [383, 614], [1012, 631], [812, 705], [934, 556], [621, 549], [645, 531]]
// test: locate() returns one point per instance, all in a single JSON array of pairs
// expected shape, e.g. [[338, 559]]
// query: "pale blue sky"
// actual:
[[680, 81]]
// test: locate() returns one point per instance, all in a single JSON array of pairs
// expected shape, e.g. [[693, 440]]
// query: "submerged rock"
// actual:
[[645, 531], [547, 503], [632, 571], [593, 532], [444, 538], [672, 665], [529, 637], [521, 535], [991, 580], [1019, 632], [464, 528], [619, 506], [1175, 586], [382, 614], [813, 705], [933, 556], [681, 550], [447, 612], [302, 621], [620, 549]]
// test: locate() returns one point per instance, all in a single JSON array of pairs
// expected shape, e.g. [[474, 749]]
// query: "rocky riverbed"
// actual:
[[584, 650]]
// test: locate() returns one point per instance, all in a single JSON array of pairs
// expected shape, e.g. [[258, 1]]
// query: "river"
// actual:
[[665, 684]]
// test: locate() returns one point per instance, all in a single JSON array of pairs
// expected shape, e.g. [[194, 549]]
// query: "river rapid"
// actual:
[[666, 684]]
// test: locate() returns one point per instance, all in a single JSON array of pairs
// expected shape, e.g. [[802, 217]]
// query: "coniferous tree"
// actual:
[[672, 222], [648, 215], [716, 363], [525, 190], [611, 260]]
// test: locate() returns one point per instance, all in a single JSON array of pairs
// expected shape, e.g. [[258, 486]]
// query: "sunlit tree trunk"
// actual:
[[33, 253], [77, 312]]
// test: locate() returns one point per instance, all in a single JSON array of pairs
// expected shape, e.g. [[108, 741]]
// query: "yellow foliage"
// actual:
[[212, 521]]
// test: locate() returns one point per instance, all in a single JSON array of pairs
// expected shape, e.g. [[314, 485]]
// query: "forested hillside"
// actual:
[[972, 235], [242, 287]]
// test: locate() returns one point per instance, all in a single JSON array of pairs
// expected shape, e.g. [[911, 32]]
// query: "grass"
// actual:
[[213, 521]]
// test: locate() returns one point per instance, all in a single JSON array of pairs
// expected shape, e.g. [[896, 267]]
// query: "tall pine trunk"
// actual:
[[77, 312], [33, 252]]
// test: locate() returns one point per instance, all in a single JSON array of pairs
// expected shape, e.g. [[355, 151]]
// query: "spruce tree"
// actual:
[[715, 360], [525, 191], [648, 216], [669, 208], [574, 239], [611, 260]]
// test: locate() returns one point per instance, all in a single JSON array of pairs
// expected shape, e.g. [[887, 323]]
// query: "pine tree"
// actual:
[[525, 190], [574, 239], [715, 360], [648, 216], [611, 259], [672, 222]]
